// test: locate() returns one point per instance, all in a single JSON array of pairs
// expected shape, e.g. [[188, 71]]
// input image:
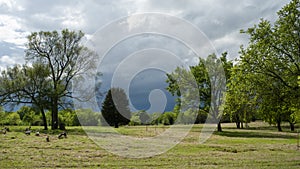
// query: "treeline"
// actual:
[[29, 116]]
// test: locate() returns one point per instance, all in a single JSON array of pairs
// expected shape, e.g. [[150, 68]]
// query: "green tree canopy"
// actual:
[[271, 61], [209, 74]]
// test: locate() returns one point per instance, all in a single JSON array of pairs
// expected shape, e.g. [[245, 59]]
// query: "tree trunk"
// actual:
[[238, 125], [54, 124], [116, 125], [242, 125], [44, 119], [219, 127], [279, 126], [292, 125]]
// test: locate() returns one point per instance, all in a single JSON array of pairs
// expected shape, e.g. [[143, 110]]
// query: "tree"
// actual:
[[210, 85], [26, 85], [219, 71], [240, 97], [115, 108], [65, 57], [273, 57]]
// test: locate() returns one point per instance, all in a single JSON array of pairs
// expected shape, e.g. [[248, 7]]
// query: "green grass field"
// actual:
[[259, 146]]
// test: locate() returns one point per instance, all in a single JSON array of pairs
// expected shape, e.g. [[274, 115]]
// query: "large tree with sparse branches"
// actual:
[[65, 57]]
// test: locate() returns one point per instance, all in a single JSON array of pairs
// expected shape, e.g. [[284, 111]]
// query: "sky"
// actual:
[[219, 20]]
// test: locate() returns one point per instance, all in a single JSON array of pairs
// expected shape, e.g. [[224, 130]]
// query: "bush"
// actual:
[[135, 120], [29, 116], [88, 117], [202, 116], [188, 117], [155, 118], [144, 117], [168, 118], [68, 117], [10, 118]]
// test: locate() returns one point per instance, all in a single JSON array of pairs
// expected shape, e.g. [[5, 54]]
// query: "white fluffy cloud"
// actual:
[[11, 30], [8, 60]]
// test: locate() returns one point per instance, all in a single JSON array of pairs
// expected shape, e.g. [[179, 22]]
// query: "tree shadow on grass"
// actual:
[[253, 134]]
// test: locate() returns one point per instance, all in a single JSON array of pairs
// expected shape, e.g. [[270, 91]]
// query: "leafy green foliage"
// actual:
[[270, 66], [187, 117], [29, 116], [9, 118], [87, 117], [155, 118], [69, 117], [210, 75], [240, 97], [167, 118], [135, 120]]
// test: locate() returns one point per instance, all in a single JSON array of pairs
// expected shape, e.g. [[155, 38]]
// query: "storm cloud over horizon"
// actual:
[[220, 20]]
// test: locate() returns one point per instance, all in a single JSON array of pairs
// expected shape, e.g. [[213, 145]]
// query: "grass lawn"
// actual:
[[259, 146]]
